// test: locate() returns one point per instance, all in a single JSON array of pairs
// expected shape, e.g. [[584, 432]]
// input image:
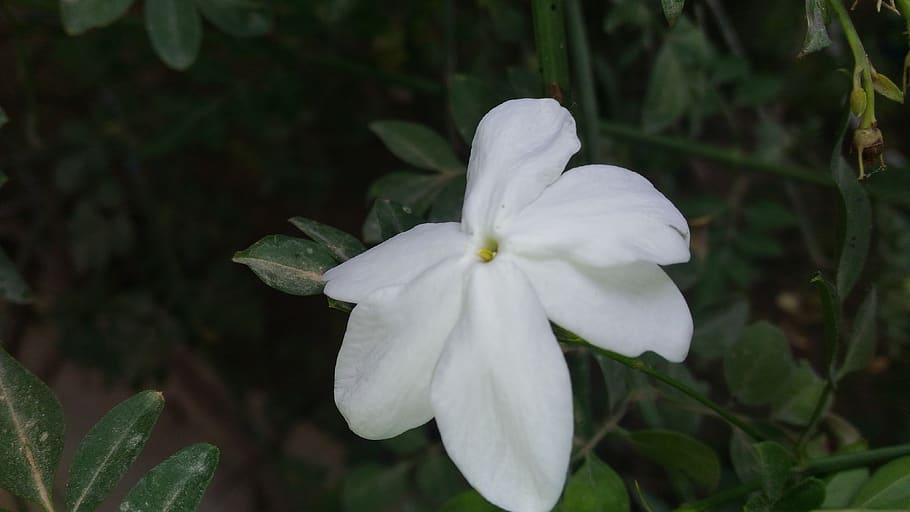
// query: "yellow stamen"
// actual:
[[486, 254]]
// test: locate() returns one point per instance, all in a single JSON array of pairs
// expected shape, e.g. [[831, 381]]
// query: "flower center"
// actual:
[[488, 250]]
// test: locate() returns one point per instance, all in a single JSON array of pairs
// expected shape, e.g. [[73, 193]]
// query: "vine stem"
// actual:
[[550, 39], [861, 61]]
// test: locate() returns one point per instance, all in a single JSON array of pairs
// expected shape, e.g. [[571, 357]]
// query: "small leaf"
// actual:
[[175, 485], [31, 424], [175, 30], [884, 86], [109, 449], [239, 18], [468, 501], [803, 389], [758, 364], [857, 226], [372, 487], [773, 465], [394, 218], [816, 32], [79, 16], [409, 189], [417, 145], [889, 487], [841, 487], [339, 244], [805, 495], [288, 264], [469, 99], [593, 488], [679, 452], [672, 9], [861, 345], [12, 287]]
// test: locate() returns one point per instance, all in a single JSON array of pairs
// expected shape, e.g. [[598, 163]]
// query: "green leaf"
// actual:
[[842, 486], [805, 495], [667, 98], [409, 189], [617, 377], [884, 86], [743, 457], [394, 218], [861, 345], [672, 9], [408, 442], [717, 329], [803, 389], [437, 477], [889, 487], [679, 452], [468, 501], [816, 32], [769, 216], [371, 487], [831, 313], [773, 463], [469, 100], [594, 487], [175, 485], [31, 433], [12, 287], [339, 244], [175, 30], [857, 227], [109, 449], [288, 264], [239, 18], [447, 205], [417, 145], [79, 16], [758, 364]]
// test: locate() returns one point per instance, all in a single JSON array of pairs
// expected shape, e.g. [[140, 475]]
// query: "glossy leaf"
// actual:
[[79, 16], [239, 18], [593, 488], [758, 364], [417, 145], [816, 31], [861, 344], [288, 264], [679, 452], [372, 487], [672, 9], [889, 487], [394, 218], [468, 501], [175, 30], [12, 287], [109, 449], [339, 244], [857, 227], [469, 99], [175, 485], [31, 433]]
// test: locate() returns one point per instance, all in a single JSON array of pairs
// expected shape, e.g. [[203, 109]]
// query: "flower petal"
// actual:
[[628, 309], [398, 260], [519, 148], [501, 393], [393, 341], [601, 215]]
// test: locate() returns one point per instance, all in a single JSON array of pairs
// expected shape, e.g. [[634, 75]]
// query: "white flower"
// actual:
[[451, 319]]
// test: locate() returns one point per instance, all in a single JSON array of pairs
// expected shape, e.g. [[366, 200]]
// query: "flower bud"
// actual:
[[869, 146], [857, 101]]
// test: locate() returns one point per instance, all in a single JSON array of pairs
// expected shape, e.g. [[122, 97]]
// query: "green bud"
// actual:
[[884, 86], [857, 101]]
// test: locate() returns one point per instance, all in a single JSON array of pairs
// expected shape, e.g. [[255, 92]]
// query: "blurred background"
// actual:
[[131, 185]]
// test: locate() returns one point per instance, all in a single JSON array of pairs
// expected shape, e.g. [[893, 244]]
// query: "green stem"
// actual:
[[639, 365], [904, 7], [732, 157], [584, 80], [861, 61], [550, 38], [720, 498], [813, 420]]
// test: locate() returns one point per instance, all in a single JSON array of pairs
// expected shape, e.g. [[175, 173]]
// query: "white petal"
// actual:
[[601, 215], [628, 309], [393, 341], [519, 148], [501, 393], [398, 260]]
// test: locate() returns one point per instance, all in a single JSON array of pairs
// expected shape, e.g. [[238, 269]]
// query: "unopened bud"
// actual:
[[858, 101]]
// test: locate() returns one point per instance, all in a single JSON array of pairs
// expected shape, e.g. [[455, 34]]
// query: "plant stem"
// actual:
[[861, 61], [550, 38], [584, 81], [904, 7], [733, 157]]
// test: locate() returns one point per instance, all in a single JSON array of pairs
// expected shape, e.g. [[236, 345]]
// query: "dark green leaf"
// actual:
[[717, 329], [667, 98], [744, 457], [816, 33], [679, 452], [339, 244], [617, 377], [861, 345], [594, 487], [12, 287], [672, 9], [109, 449], [469, 99], [889, 487], [803, 389], [831, 313], [81, 15], [437, 478], [239, 18], [289, 264], [175, 485], [175, 30], [758, 364], [409, 189], [805, 495], [394, 218], [447, 206], [857, 226], [773, 465], [417, 145], [372, 487], [3, 118], [841, 487], [31, 433], [468, 501]]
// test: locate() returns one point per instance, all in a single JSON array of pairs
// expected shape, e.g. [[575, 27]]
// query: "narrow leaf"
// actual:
[[679, 452], [31, 433], [857, 226], [394, 218], [340, 245], [889, 487], [239, 18], [175, 30], [758, 364], [288, 264], [417, 145], [861, 345], [593, 488], [175, 485], [109, 449], [672, 9], [12, 287], [831, 313], [79, 16], [884, 86], [816, 32]]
